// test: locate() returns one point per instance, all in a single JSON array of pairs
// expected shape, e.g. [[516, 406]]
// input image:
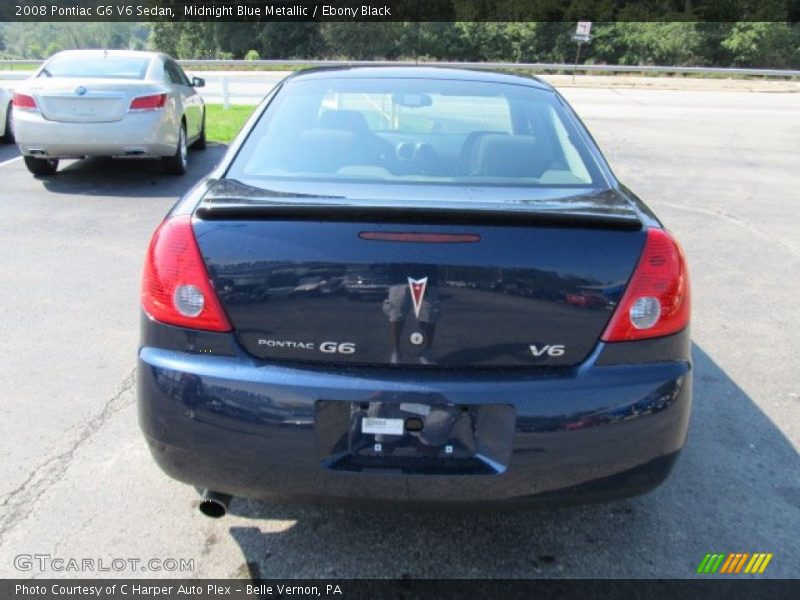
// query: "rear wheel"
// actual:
[[8, 136], [41, 166], [176, 165], [200, 142]]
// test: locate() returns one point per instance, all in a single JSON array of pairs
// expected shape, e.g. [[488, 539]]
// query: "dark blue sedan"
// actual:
[[414, 285]]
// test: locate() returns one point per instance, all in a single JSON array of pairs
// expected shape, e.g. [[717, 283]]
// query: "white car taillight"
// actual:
[[152, 102], [24, 102]]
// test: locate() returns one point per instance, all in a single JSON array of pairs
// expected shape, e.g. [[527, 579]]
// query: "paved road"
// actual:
[[76, 480]]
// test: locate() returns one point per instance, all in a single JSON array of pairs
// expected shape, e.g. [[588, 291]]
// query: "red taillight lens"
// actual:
[[176, 289], [24, 102], [153, 102], [657, 300]]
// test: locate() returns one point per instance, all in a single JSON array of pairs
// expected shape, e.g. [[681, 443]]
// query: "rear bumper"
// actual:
[[238, 426], [146, 134]]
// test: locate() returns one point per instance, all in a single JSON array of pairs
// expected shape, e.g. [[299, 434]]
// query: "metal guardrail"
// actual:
[[536, 67], [228, 84], [6, 75], [222, 65]]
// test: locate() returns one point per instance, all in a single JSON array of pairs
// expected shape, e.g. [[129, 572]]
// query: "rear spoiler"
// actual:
[[232, 200], [232, 211]]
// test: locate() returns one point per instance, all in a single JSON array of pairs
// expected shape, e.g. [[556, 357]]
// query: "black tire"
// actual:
[[41, 166], [200, 143], [176, 164], [8, 135]]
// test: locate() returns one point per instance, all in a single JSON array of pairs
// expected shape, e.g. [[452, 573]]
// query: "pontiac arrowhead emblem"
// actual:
[[417, 287]]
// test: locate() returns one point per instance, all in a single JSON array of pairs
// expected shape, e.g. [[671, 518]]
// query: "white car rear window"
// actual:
[[105, 67]]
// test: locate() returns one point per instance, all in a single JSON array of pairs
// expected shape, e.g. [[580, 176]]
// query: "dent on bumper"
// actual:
[[228, 424]]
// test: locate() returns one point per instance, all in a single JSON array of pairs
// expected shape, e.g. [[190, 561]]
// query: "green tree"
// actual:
[[766, 45], [164, 37], [236, 40], [645, 43], [439, 41], [677, 40], [290, 40], [39, 40], [364, 41], [549, 42]]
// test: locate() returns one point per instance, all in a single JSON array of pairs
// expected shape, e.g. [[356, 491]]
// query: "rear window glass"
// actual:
[[416, 131], [444, 114], [111, 67]]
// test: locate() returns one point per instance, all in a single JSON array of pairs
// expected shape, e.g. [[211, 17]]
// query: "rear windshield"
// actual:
[[110, 67], [416, 131]]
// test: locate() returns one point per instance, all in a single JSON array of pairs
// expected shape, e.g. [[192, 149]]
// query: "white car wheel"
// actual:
[[41, 167], [176, 165], [8, 135]]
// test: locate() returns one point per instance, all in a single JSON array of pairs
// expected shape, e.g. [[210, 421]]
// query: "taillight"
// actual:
[[176, 289], [153, 102], [657, 300], [24, 102]]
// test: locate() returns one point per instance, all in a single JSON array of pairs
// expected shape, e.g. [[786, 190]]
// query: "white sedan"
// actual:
[[6, 131], [122, 104]]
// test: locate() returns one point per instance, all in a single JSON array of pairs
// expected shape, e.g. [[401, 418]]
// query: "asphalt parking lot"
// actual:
[[76, 480]]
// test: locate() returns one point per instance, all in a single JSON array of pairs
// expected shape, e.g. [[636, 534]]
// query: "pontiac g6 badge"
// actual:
[[417, 287]]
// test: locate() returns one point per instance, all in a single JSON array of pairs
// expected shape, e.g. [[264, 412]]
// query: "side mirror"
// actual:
[[198, 82]]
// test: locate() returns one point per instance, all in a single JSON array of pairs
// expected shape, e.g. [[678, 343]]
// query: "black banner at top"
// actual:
[[398, 10]]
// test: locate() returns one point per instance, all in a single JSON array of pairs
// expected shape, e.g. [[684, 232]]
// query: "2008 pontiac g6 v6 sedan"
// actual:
[[116, 103], [414, 284]]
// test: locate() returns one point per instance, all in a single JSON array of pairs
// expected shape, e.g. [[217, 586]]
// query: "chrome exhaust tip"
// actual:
[[213, 504]]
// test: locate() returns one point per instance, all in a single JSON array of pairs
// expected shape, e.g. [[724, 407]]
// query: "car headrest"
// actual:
[[510, 156], [349, 120], [467, 158]]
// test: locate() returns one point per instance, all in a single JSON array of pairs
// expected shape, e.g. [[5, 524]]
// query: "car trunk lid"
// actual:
[[329, 281], [85, 100]]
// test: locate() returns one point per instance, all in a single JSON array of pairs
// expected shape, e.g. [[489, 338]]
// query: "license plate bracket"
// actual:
[[414, 437]]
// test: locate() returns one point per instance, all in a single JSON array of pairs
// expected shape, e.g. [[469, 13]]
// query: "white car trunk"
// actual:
[[86, 100]]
